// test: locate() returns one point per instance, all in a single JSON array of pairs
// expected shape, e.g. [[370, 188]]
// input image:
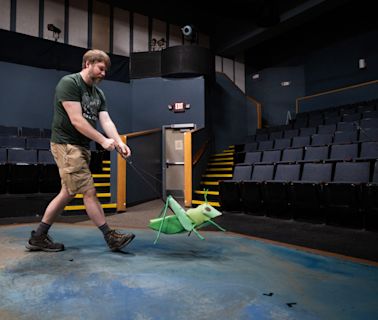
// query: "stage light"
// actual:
[[189, 32], [55, 30]]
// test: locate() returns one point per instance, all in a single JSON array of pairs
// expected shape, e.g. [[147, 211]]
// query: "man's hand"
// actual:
[[108, 144], [123, 150]]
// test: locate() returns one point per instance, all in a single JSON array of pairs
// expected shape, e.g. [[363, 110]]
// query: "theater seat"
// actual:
[[343, 194], [275, 192], [370, 201], [3, 170], [23, 171], [229, 191], [251, 191], [49, 179], [306, 195]]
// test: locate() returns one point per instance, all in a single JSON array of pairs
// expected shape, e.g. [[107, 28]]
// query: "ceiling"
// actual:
[[254, 27]]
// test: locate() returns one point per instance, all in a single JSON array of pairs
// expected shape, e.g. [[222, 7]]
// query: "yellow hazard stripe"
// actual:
[[105, 169], [102, 184], [220, 163], [225, 175], [82, 207], [106, 161], [222, 154], [101, 175], [222, 159], [219, 169], [99, 195], [214, 193], [210, 183]]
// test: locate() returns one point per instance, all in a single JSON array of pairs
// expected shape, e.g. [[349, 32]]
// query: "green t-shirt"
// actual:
[[73, 88]]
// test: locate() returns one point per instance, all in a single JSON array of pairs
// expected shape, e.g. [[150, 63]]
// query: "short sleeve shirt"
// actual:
[[73, 88]]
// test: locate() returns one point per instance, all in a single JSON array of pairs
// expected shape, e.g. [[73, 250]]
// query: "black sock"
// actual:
[[104, 228], [43, 228]]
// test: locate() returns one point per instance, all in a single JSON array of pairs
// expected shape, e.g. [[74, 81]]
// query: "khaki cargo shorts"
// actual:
[[73, 164]]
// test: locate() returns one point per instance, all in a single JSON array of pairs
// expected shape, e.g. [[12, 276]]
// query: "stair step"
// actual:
[[214, 193], [210, 183], [82, 207], [212, 203], [219, 169], [223, 154], [220, 175], [99, 195], [101, 175], [102, 184], [222, 159], [221, 163]]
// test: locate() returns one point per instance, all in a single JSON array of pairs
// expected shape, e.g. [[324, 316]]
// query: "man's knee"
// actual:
[[90, 193], [65, 194]]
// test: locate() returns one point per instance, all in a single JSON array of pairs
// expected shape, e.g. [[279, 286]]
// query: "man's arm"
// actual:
[[111, 131], [73, 109]]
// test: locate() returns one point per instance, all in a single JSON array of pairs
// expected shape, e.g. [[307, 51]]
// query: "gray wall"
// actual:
[[277, 100], [27, 95], [326, 67], [231, 116], [150, 98], [336, 66]]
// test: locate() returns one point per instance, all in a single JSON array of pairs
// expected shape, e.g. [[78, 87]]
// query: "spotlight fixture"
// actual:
[[189, 32], [55, 30]]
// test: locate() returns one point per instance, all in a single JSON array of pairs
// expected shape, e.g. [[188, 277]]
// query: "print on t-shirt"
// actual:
[[90, 106]]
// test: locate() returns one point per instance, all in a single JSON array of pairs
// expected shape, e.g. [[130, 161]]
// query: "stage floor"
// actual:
[[226, 276]]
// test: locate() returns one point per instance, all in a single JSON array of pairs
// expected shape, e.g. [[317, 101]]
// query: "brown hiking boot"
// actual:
[[116, 240], [43, 243]]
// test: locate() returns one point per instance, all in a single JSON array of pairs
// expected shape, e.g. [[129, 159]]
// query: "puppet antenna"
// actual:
[[205, 194]]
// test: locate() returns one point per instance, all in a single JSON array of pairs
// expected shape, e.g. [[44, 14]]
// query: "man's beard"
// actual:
[[95, 80]]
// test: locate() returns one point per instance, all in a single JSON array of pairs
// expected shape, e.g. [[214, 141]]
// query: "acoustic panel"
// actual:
[[186, 61], [145, 64]]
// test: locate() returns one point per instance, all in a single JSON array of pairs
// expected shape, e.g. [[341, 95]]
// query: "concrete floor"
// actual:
[[227, 276]]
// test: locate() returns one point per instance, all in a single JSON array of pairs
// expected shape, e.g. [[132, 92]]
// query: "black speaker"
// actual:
[[145, 64], [186, 61]]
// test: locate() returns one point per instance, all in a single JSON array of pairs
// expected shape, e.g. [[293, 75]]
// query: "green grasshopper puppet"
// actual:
[[182, 220]]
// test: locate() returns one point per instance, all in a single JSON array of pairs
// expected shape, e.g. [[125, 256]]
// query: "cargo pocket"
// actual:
[[74, 169]]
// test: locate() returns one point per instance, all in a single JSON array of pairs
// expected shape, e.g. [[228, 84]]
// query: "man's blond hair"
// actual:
[[95, 55]]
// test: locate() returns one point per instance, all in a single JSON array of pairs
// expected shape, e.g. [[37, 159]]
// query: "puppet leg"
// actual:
[[198, 235], [162, 222], [216, 225]]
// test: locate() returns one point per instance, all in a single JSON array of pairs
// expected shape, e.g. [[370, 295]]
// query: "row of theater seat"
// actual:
[[32, 143], [29, 178], [347, 113], [362, 129], [314, 140], [24, 143], [332, 115], [341, 152], [301, 122], [24, 132], [340, 110], [26, 156], [31, 171], [342, 193]]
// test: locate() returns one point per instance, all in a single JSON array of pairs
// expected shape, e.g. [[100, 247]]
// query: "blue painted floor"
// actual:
[[227, 276]]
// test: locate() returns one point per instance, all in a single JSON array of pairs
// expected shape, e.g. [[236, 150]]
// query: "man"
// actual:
[[78, 104]]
